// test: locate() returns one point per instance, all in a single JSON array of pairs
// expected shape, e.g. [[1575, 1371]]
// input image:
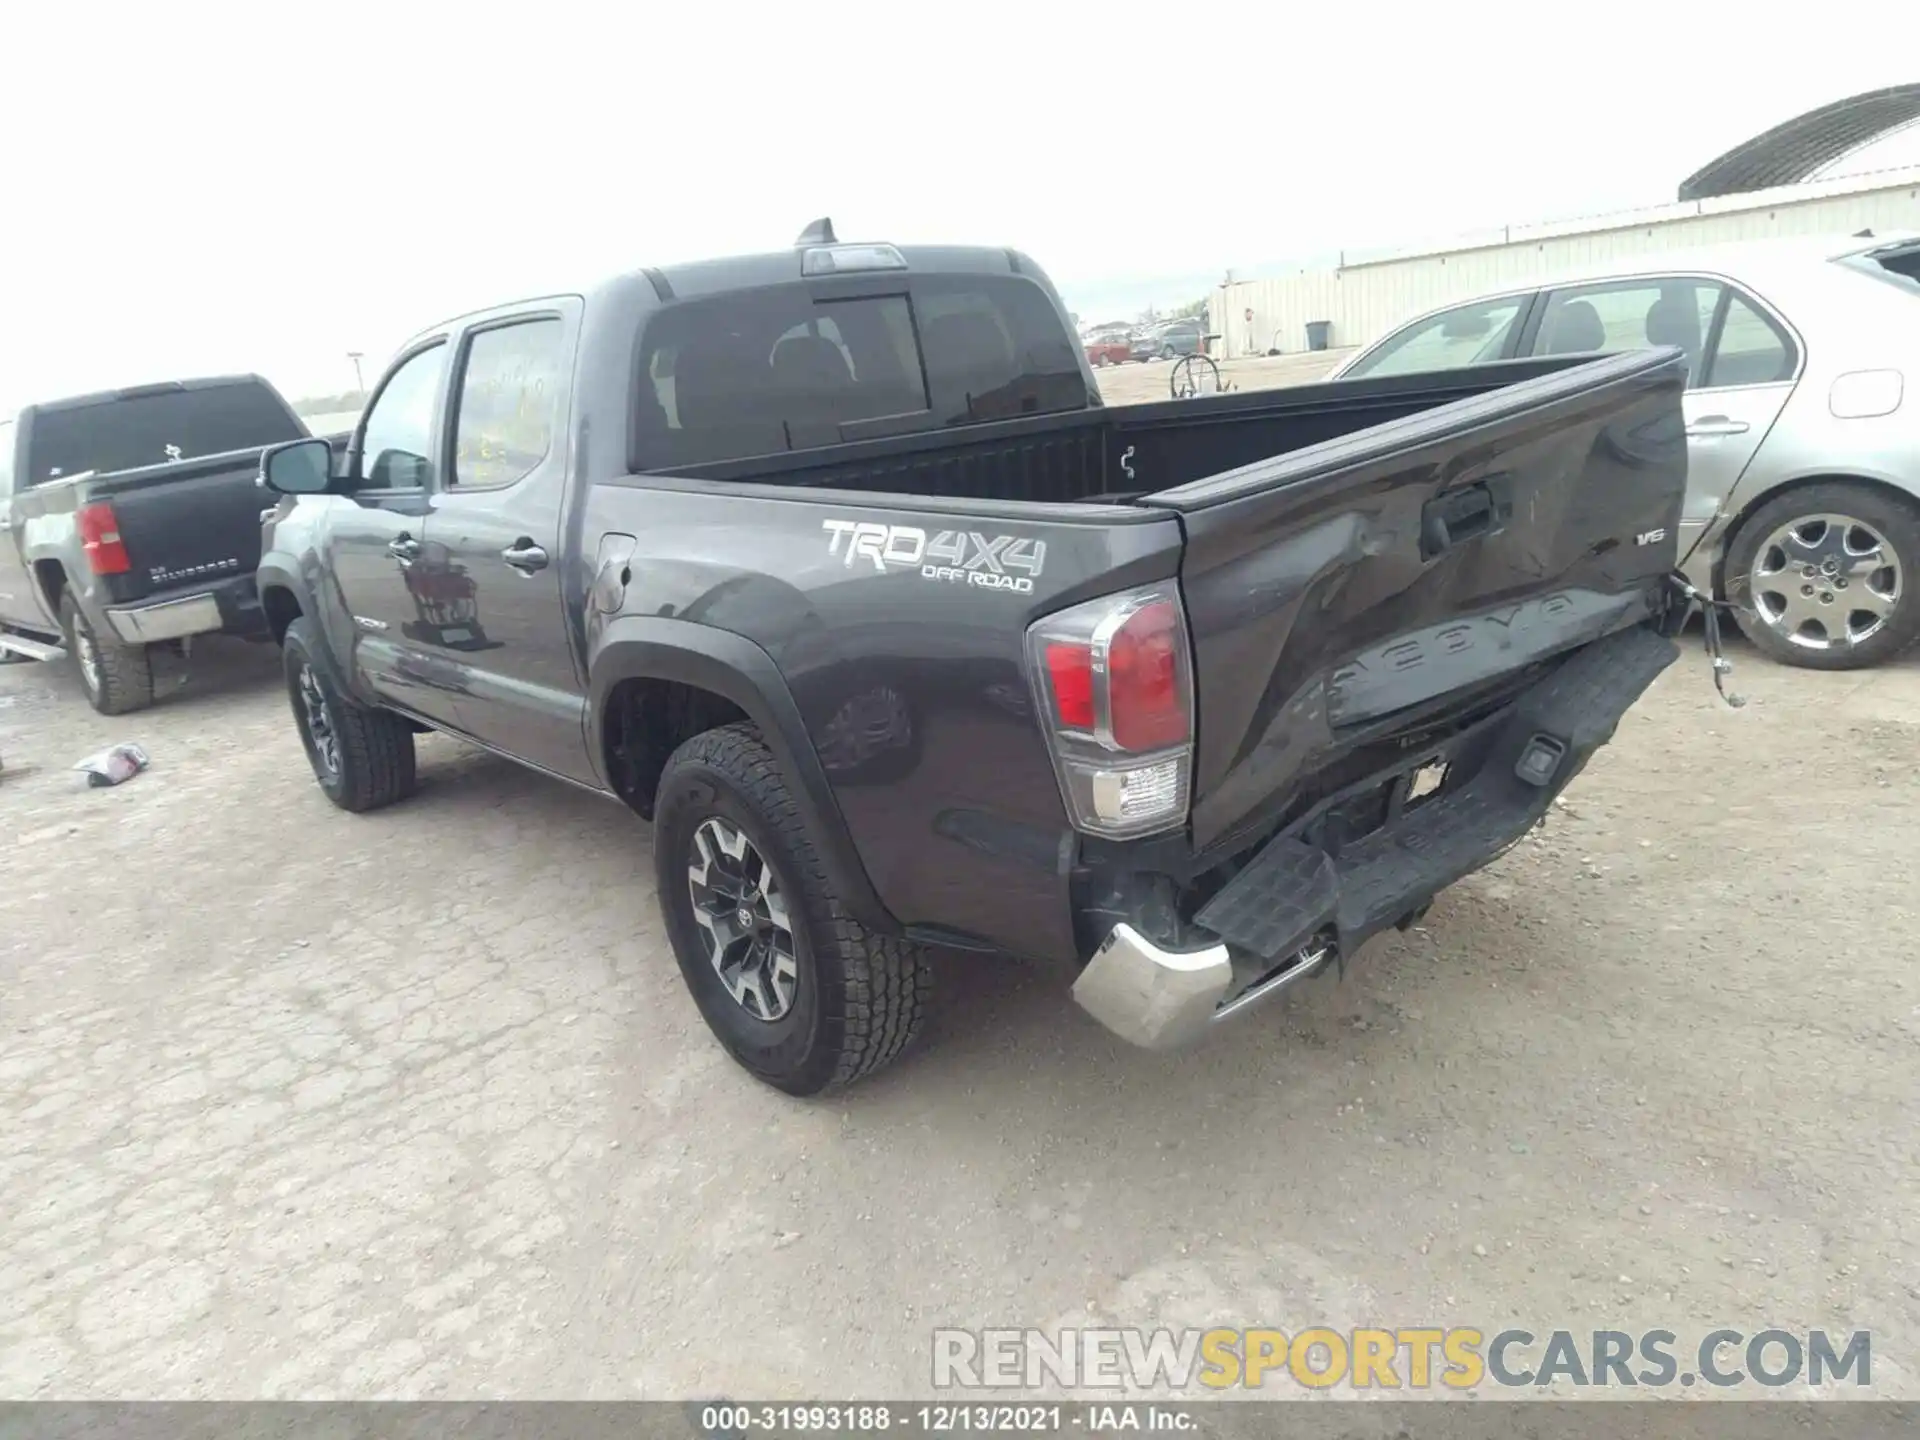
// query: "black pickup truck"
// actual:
[[130, 519], [831, 563]]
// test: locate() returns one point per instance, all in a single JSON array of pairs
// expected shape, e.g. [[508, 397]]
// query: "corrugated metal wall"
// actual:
[[1368, 296]]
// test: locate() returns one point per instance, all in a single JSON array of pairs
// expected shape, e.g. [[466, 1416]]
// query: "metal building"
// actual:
[[1365, 297]]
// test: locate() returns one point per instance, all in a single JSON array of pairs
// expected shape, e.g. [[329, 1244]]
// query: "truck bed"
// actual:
[[1119, 454]]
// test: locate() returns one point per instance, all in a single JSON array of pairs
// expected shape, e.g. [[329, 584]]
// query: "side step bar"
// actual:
[[32, 649]]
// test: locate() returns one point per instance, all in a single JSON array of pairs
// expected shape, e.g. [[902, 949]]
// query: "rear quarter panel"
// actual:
[[912, 685]]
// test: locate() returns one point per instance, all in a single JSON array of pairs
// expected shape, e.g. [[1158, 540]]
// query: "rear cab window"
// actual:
[[139, 428], [769, 370]]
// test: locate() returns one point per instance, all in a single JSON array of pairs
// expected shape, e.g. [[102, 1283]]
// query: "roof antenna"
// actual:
[[820, 232], [1866, 234]]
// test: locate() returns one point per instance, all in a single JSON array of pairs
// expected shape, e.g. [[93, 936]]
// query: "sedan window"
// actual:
[[1467, 335], [1639, 314], [1752, 349]]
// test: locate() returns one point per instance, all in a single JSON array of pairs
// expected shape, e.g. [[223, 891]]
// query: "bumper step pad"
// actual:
[[1291, 892]]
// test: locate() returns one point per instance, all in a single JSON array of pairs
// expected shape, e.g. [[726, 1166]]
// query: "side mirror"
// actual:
[[299, 467]]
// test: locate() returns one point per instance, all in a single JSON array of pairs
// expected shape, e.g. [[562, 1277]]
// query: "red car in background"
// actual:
[[1109, 346]]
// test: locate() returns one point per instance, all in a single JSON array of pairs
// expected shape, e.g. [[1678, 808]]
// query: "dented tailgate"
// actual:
[[1351, 591]]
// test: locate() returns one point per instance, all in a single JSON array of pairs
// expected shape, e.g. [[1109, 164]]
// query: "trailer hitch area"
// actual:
[[1710, 621]]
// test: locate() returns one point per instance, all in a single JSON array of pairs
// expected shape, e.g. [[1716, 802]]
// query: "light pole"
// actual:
[[359, 384]]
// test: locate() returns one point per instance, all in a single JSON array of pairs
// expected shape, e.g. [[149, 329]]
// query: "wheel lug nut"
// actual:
[[1806, 589]]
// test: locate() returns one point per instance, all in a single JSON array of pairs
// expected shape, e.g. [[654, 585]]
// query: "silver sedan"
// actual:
[[1803, 499]]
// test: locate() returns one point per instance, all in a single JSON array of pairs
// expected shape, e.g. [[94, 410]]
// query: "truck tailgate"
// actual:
[[1347, 598], [188, 521]]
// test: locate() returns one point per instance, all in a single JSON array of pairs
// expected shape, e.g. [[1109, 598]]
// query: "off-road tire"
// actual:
[[1898, 523], [124, 673], [374, 748], [861, 997]]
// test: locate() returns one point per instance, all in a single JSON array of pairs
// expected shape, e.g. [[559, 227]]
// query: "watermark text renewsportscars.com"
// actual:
[[1395, 1358]]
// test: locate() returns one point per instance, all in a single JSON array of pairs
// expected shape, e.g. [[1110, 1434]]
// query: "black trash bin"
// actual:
[[1319, 334]]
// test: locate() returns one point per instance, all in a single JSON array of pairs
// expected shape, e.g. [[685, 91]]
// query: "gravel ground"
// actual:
[[295, 1103]]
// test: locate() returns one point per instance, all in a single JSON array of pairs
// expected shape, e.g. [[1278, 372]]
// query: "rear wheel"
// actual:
[[1824, 577], [363, 758], [800, 993], [118, 678]]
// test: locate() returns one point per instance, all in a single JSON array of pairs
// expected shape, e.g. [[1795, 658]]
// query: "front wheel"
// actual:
[[363, 758], [800, 993], [1823, 577]]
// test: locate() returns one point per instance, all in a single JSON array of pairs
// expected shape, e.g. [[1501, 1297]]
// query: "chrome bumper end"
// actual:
[[1158, 999], [170, 620]]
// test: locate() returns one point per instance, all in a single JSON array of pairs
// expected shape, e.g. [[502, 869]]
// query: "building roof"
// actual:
[[1797, 149]]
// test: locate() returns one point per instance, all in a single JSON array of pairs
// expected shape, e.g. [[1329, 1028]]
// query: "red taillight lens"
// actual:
[[1070, 675], [100, 539], [1113, 681], [1145, 706]]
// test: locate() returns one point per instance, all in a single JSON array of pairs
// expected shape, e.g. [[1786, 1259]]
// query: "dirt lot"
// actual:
[[295, 1103]]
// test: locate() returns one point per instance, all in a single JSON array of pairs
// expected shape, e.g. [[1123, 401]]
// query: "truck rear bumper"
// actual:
[[232, 606], [1295, 906]]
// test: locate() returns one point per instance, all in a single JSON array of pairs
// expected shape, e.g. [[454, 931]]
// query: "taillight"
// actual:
[[1116, 691], [100, 539]]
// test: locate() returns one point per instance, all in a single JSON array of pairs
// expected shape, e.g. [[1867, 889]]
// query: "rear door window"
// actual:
[[1638, 314], [767, 371], [155, 428]]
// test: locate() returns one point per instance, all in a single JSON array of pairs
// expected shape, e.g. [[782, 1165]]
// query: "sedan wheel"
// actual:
[[1821, 577], [1826, 582]]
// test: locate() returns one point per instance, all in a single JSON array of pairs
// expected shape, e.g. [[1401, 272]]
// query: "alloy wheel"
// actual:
[[318, 721], [1826, 582], [743, 920]]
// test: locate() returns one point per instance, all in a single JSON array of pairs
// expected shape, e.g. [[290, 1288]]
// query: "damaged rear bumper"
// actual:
[[1297, 905]]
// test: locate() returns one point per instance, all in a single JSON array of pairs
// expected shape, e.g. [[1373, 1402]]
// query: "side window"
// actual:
[[6, 457], [396, 445], [509, 402], [1629, 315], [1752, 349], [1466, 335]]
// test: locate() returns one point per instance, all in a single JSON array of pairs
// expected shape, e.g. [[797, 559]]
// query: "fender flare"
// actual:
[[646, 647], [276, 573]]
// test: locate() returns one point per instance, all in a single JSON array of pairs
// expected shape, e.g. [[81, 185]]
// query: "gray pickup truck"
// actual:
[[131, 519], [830, 562]]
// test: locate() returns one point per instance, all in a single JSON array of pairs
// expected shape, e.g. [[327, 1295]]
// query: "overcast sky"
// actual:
[[193, 188]]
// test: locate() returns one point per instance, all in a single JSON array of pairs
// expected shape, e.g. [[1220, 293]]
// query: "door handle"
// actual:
[[404, 547], [1457, 515], [1710, 425], [524, 555]]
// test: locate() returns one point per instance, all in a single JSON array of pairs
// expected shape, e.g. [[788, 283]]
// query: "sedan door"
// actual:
[[1741, 363]]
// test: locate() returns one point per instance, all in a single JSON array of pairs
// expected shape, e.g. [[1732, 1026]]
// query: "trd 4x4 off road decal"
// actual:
[[961, 557]]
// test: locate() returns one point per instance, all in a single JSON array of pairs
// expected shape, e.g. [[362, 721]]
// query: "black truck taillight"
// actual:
[[100, 540], [1115, 684]]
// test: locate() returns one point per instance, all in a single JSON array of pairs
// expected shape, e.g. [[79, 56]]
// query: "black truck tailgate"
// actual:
[[1351, 594], [191, 520]]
